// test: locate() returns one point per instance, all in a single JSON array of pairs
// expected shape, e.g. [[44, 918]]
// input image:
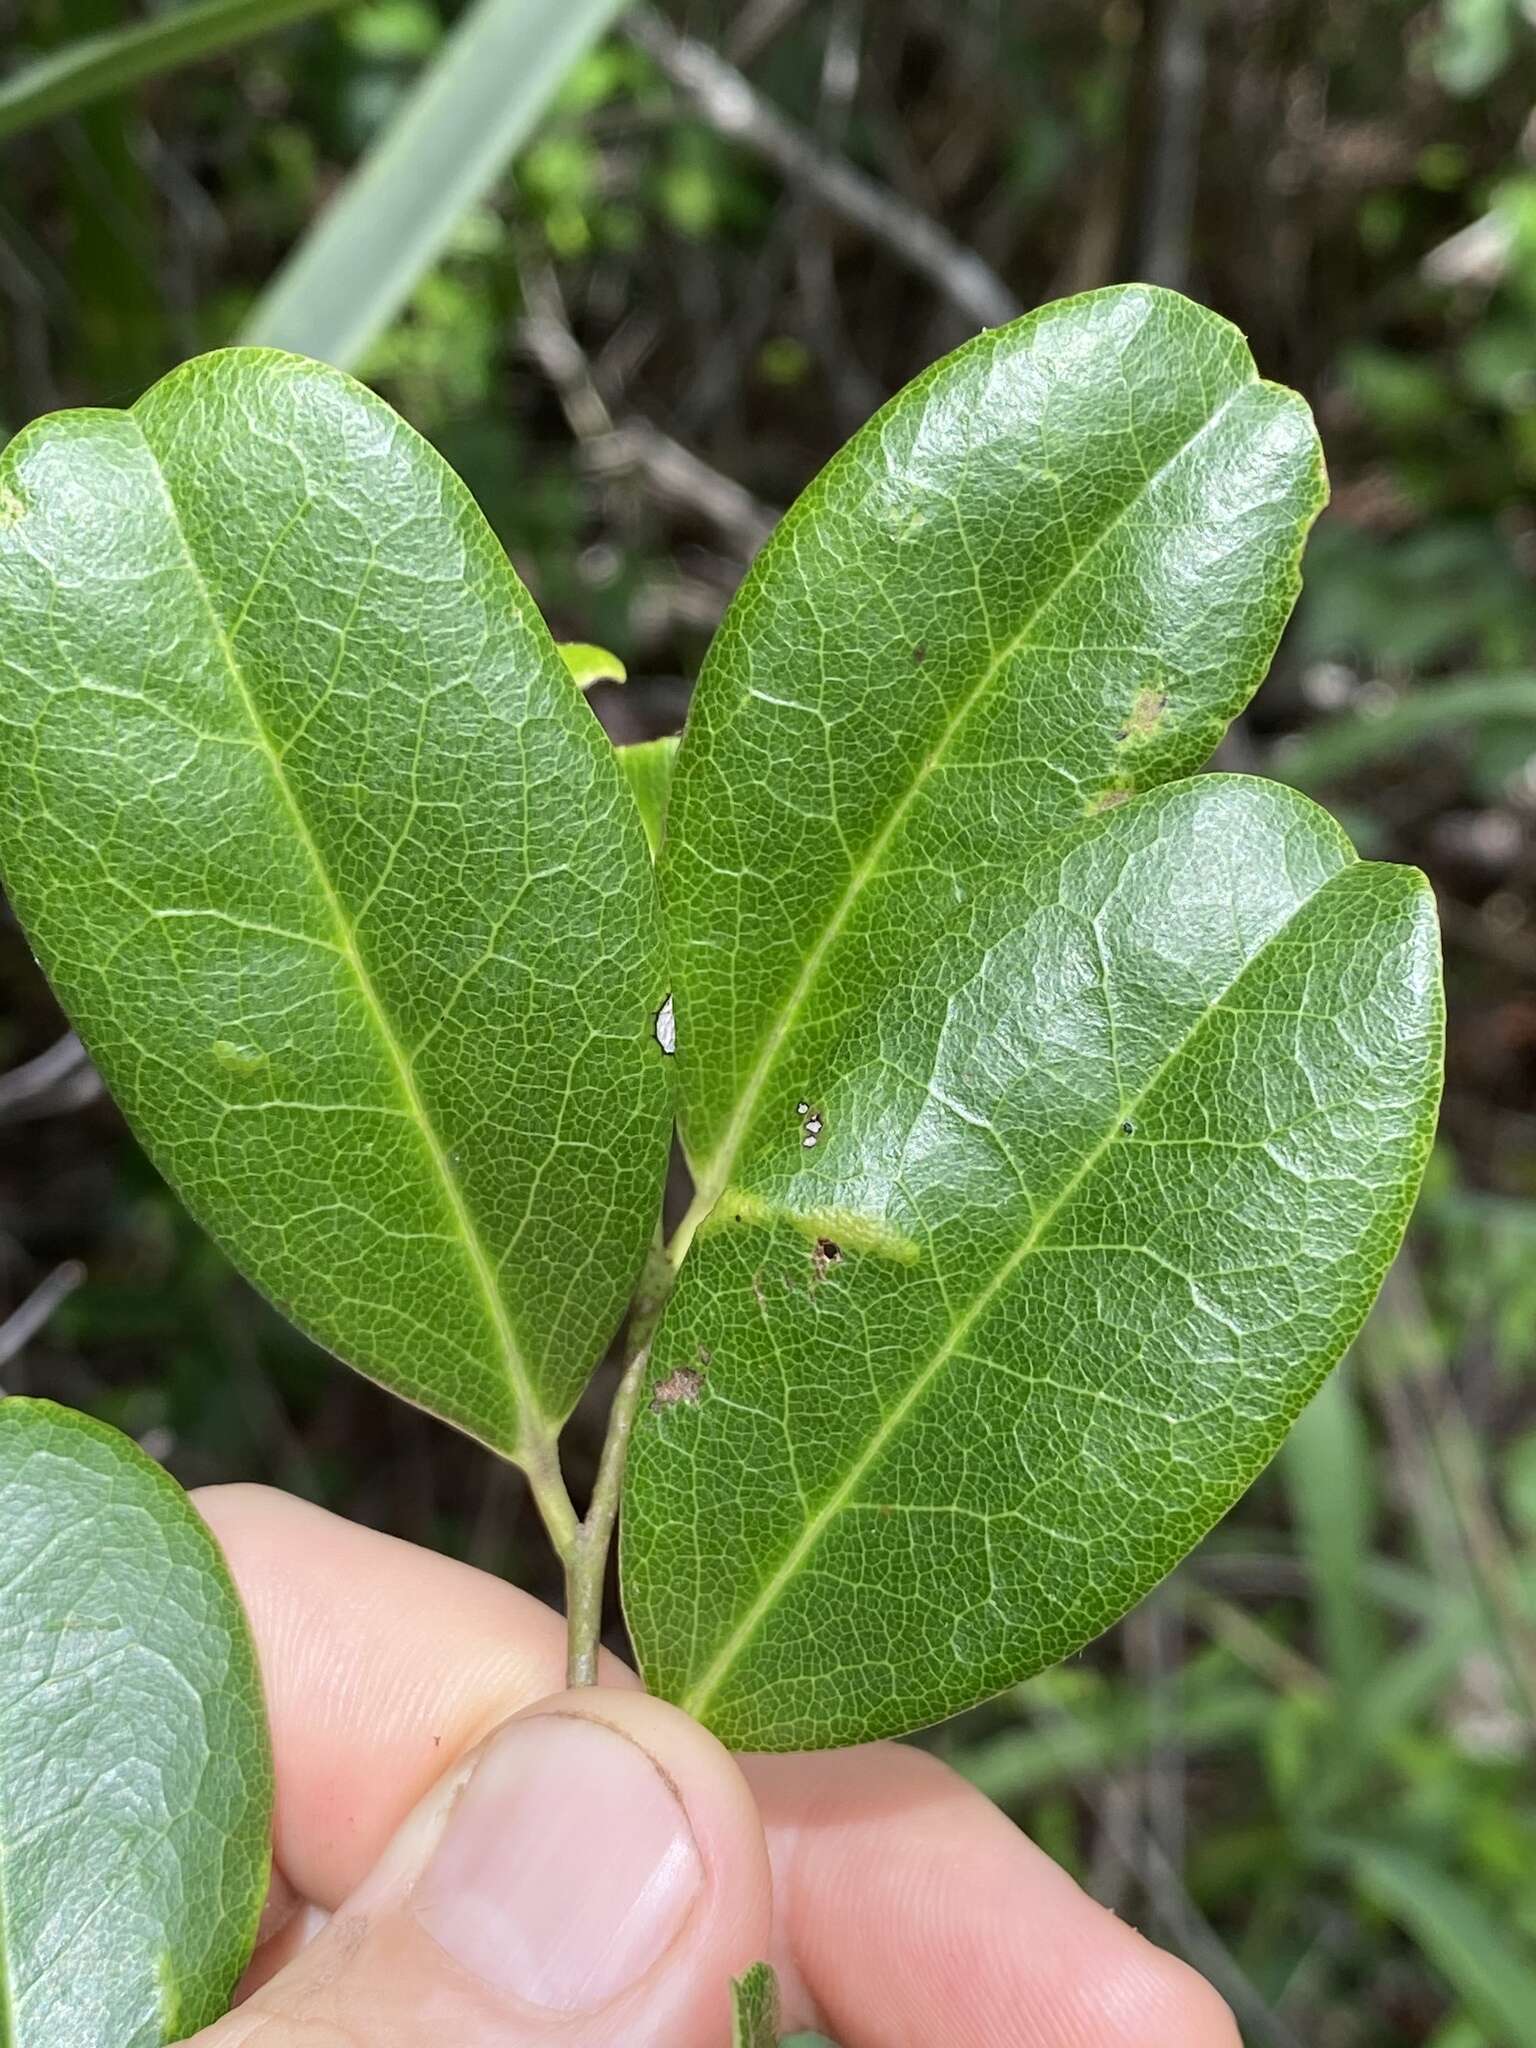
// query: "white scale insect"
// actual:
[[813, 1124]]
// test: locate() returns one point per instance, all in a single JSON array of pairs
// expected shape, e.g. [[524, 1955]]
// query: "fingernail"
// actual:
[[567, 1866]]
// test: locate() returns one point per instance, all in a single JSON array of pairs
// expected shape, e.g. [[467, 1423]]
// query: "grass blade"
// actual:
[[1327, 1467], [91, 67], [1457, 1933], [469, 112], [1342, 746]]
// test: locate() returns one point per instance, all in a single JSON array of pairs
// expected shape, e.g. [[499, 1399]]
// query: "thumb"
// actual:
[[593, 1875]]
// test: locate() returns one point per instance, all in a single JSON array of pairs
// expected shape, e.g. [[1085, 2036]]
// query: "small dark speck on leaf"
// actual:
[[706, 1356], [683, 1384], [828, 1253], [920, 652], [1128, 1128]]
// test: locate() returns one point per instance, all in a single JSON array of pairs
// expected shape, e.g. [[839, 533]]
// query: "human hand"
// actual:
[[467, 1857]]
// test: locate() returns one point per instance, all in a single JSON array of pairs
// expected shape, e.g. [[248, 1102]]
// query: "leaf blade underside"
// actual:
[[336, 875], [755, 2008]]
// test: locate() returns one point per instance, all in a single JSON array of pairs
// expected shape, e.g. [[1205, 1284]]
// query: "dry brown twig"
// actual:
[[736, 109], [616, 446]]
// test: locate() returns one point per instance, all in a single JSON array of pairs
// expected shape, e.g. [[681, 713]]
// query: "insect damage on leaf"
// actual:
[[841, 1230], [684, 1384], [1146, 715], [826, 1253], [239, 1059], [1108, 799], [666, 1028]]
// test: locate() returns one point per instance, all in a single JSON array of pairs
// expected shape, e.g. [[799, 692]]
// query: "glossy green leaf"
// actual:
[[589, 664], [1099, 1191], [648, 769], [336, 874], [135, 1779], [1045, 576], [1057, 1126], [90, 67], [755, 2008]]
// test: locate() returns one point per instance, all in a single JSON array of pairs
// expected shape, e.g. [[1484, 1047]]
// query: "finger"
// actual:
[[382, 1663], [911, 1911], [592, 1876]]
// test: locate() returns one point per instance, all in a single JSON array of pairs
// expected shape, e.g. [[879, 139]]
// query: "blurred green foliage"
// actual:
[[1310, 1762]]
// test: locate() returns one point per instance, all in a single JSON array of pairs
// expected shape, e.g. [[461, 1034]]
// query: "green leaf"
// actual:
[[135, 1778], [91, 67], [455, 134], [1053, 1129], [648, 769], [1101, 1189], [755, 2008], [1045, 576], [1493, 1973], [336, 874], [589, 664]]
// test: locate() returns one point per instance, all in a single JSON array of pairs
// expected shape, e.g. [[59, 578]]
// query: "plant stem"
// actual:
[[585, 1552], [586, 1568], [540, 1460]]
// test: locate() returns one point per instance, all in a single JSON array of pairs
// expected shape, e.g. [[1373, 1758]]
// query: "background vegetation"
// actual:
[[663, 290]]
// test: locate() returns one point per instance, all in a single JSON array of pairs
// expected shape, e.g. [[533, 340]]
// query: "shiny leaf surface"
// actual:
[[135, 1783], [1058, 1117], [336, 874]]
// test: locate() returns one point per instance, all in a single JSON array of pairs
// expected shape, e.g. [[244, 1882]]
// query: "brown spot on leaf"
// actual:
[[683, 1383], [1146, 715], [920, 652], [824, 1253], [1108, 799]]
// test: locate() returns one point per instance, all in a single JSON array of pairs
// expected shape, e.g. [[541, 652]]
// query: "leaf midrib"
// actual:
[[713, 1177], [697, 1699], [477, 1258]]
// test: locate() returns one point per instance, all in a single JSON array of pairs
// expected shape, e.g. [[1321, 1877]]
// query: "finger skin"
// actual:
[[383, 1665], [918, 1914], [378, 1976], [908, 1911]]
